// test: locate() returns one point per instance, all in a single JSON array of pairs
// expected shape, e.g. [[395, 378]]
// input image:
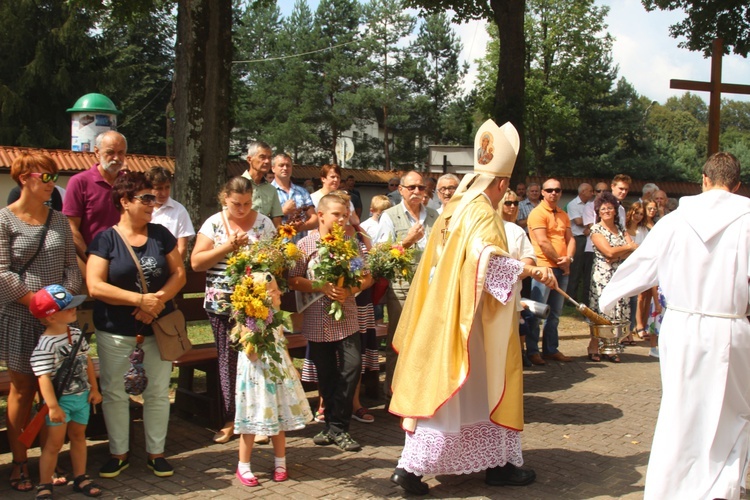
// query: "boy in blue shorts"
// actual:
[[56, 309]]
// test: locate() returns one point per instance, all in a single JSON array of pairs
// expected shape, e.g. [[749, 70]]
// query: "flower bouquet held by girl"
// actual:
[[338, 262], [257, 319]]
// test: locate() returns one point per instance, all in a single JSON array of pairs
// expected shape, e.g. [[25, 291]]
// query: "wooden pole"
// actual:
[[714, 107]]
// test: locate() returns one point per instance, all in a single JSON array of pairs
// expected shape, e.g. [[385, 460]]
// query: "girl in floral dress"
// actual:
[[269, 399]]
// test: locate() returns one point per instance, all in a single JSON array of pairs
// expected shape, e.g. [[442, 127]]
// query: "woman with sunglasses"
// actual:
[[520, 248], [123, 310], [36, 249]]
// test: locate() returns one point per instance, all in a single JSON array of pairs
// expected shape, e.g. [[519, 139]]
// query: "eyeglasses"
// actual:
[[509, 203], [651, 208], [447, 189], [601, 190], [553, 190], [45, 177], [393, 183], [415, 187], [606, 209], [146, 199]]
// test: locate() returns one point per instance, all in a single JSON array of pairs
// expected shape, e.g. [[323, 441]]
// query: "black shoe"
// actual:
[[344, 441], [113, 467], [509, 475], [410, 482], [323, 438], [160, 467]]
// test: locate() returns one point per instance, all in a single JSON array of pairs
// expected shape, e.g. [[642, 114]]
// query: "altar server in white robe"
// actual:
[[699, 255]]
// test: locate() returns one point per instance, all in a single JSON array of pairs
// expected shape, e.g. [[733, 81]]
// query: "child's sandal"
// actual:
[[90, 489], [44, 491]]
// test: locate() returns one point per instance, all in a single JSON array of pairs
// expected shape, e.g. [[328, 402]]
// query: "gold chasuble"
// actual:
[[443, 303]]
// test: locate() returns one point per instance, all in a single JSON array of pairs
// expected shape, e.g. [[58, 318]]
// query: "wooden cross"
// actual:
[[715, 87]]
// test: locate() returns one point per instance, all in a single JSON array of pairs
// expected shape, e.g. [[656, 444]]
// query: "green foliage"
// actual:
[[255, 74], [136, 73], [48, 61], [709, 19], [386, 91]]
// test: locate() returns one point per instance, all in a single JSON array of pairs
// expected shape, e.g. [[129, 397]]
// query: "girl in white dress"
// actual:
[[265, 404]]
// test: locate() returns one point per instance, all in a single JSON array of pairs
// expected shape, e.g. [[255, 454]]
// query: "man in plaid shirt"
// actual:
[[334, 345]]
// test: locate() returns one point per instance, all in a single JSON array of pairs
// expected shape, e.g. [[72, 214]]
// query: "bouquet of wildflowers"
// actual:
[[275, 255], [257, 322], [339, 262], [391, 261], [252, 304]]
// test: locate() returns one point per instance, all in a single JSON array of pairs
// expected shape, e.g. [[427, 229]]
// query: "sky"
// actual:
[[645, 53]]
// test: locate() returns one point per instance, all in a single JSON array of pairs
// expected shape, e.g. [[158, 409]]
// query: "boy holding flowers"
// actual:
[[330, 323]]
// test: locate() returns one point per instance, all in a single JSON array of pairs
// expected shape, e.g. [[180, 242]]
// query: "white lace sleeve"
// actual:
[[502, 273]]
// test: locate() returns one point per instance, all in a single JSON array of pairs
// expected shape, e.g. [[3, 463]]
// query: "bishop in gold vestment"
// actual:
[[458, 383]]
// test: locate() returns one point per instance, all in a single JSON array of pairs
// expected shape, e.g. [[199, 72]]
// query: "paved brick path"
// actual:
[[588, 434]]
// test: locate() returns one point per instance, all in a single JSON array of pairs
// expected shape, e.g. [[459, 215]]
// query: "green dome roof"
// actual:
[[95, 103]]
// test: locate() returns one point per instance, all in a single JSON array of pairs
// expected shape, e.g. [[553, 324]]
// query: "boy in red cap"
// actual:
[[56, 309]]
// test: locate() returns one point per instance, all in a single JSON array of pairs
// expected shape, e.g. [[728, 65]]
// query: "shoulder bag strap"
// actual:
[[42, 238], [144, 285], [227, 229]]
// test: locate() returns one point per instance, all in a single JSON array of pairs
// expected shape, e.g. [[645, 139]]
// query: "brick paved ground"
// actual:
[[588, 433]]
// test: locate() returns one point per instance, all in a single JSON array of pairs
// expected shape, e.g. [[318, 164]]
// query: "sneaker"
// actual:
[[345, 442], [323, 438], [113, 467], [654, 352], [161, 467]]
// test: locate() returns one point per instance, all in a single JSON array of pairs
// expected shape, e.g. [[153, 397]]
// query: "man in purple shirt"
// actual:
[[88, 199]]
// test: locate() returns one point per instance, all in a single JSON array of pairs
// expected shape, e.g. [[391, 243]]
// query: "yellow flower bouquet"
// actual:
[[339, 263], [257, 272], [391, 261], [275, 255]]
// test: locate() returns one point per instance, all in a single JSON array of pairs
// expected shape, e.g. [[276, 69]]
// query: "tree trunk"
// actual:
[[201, 103], [511, 86]]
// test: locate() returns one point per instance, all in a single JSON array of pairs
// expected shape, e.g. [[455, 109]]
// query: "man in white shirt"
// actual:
[[446, 187], [168, 212], [580, 233]]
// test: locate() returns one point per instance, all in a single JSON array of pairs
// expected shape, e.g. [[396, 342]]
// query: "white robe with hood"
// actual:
[[699, 255]]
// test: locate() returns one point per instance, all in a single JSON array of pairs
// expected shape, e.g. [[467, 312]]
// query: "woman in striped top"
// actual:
[[235, 226]]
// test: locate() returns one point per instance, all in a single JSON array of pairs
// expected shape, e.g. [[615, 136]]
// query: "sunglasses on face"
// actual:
[[146, 199], [509, 203], [45, 177], [415, 187], [553, 190]]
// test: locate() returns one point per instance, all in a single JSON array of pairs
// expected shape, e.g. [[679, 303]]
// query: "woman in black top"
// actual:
[[123, 310]]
